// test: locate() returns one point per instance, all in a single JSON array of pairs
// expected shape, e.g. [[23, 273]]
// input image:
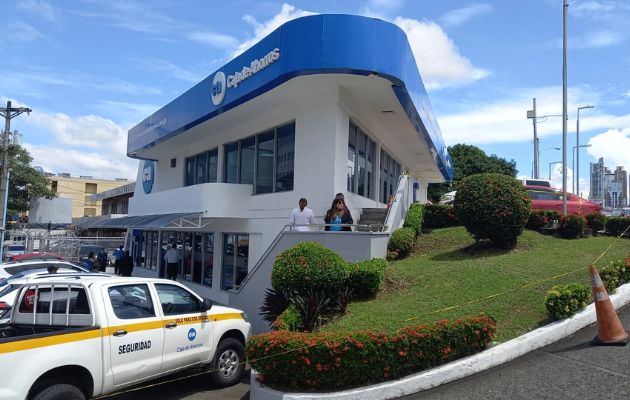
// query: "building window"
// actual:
[[264, 163], [284, 157], [53, 186], [230, 165], [90, 188], [265, 160], [235, 256], [246, 160], [208, 258], [202, 168], [360, 173]]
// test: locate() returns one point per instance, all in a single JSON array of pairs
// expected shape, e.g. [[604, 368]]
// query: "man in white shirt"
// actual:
[[302, 216], [172, 262]]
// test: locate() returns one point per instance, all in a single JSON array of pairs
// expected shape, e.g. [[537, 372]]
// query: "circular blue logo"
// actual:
[[148, 174], [192, 334], [218, 88]]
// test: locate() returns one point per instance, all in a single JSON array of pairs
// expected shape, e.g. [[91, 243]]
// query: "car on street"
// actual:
[[12, 250], [536, 182], [545, 198], [36, 256], [625, 212], [88, 335], [448, 198], [13, 267]]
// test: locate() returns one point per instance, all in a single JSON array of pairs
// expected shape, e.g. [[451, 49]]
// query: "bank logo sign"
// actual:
[[148, 174], [192, 334], [218, 88], [220, 83]]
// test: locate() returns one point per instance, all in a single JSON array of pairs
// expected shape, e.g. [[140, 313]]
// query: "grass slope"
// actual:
[[447, 277]]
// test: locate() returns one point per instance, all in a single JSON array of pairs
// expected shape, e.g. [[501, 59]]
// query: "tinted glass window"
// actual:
[[248, 149], [16, 248], [131, 301], [230, 166], [352, 158], [175, 300], [74, 301], [190, 171], [201, 168], [284, 158], [213, 164], [264, 163]]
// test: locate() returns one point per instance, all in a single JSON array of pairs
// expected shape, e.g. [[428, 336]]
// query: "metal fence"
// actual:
[[74, 248]]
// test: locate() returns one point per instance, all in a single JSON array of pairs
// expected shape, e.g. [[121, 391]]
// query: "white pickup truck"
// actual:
[[75, 337]]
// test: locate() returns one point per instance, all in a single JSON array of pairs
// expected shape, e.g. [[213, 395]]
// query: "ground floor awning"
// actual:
[[147, 222]]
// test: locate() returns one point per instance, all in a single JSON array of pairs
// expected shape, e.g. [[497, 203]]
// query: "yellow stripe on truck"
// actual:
[[26, 344]]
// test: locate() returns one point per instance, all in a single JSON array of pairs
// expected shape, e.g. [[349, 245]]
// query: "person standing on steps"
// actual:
[[302, 216], [172, 262]]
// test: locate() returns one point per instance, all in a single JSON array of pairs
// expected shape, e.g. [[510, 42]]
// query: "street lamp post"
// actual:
[[577, 144], [576, 176], [565, 11], [552, 163]]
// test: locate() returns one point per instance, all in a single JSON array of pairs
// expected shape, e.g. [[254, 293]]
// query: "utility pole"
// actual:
[[565, 9], [8, 113], [532, 114]]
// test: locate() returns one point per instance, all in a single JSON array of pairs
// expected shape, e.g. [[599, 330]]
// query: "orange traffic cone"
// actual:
[[610, 332]]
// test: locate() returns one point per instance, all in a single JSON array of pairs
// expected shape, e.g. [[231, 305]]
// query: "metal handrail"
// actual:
[[397, 197], [289, 228]]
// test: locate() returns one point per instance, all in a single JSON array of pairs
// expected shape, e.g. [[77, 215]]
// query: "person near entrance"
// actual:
[[118, 255], [172, 262], [302, 216], [126, 264]]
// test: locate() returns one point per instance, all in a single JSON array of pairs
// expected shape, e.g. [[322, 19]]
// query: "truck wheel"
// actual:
[[60, 391], [229, 363]]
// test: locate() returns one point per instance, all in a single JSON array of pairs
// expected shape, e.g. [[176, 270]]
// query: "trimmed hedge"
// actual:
[[617, 225], [494, 207], [402, 241], [541, 218], [289, 320], [615, 274], [572, 226], [366, 277], [308, 266], [596, 221], [332, 361], [414, 218], [563, 301], [439, 216]]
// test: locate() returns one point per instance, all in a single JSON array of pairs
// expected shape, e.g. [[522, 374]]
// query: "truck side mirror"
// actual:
[[207, 305]]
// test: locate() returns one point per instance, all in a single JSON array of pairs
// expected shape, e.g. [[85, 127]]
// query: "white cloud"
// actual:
[[462, 15], [380, 8], [22, 32], [262, 29], [40, 8], [613, 145], [505, 120], [440, 63], [214, 39], [595, 40], [170, 69], [78, 162]]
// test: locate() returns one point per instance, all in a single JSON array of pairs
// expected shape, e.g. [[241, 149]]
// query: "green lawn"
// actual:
[[446, 279]]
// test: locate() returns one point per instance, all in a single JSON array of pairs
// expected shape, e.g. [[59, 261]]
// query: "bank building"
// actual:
[[324, 104]]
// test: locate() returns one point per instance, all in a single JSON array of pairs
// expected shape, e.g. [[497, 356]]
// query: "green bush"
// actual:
[[366, 277], [308, 266], [289, 320], [563, 301], [402, 241], [439, 216], [333, 361], [615, 274], [610, 277], [494, 207], [571, 226], [414, 218], [596, 221], [541, 218], [617, 225]]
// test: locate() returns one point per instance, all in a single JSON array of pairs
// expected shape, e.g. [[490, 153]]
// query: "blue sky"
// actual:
[[91, 69]]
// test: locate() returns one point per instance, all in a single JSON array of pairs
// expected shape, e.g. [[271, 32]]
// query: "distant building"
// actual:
[[79, 189], [116, 200], [609, 188]]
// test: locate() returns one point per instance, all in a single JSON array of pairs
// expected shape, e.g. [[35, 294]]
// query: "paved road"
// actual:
[[184, 387], [568, 369]]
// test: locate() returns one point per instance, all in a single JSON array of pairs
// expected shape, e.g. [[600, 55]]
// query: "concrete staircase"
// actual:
[[374, 217]]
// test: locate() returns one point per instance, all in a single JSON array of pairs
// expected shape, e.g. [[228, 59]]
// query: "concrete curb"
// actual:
[[458, 369]]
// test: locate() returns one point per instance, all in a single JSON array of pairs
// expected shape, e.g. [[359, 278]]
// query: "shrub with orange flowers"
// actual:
[[294, 361]]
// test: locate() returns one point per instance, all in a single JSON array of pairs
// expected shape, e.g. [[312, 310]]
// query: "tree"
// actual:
[[471, 160], [25, 182]]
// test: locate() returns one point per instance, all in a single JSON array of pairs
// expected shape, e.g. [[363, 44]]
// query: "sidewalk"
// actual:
[[568, 369]]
